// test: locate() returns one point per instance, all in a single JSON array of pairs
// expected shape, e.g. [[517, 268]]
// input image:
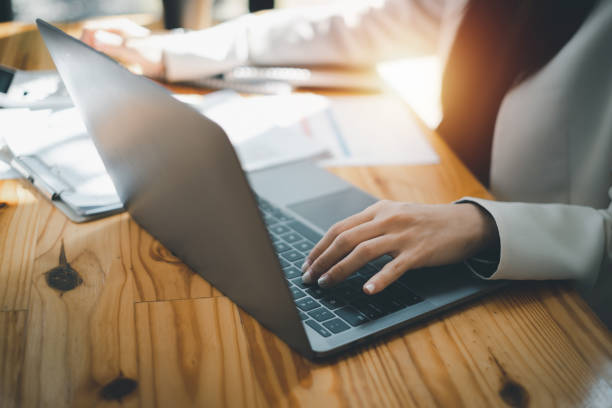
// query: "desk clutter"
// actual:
[[52, 149]]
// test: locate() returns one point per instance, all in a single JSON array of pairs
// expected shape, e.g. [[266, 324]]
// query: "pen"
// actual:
[[52, 187]]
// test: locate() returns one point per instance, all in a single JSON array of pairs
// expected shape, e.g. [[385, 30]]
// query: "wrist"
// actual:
[[484, 233]]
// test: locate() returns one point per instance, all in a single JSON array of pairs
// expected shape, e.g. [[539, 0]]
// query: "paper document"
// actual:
[[337, 131], [376, 130], [269, 130], [265, 131], [6, 172], [58, 139]]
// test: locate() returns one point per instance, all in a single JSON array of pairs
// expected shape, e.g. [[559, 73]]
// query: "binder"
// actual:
[[78, 206], [50, 148]]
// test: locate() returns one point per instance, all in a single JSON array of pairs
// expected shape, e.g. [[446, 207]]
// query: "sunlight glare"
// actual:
[[418, 81]]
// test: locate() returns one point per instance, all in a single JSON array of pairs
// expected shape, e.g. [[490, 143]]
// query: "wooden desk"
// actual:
[[141, 329]]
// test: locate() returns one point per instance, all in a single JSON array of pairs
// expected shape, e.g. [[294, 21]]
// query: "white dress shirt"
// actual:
[[551, 165]]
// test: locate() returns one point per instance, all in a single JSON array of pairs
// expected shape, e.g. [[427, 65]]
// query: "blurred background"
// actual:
[[71, 10], [417, 80]]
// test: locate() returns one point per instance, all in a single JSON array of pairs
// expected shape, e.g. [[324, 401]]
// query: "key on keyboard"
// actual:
[[296, 292], [292, 272], [318, 328], [307, 303], [336, 326], [292, 255], [321, 314], [352, 316]]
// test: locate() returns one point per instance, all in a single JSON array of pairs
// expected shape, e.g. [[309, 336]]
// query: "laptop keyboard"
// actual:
[[338, 309]]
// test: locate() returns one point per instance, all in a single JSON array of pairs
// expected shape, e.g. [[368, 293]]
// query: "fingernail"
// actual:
[[305, 265], [369, 288], [307, 277], [323, 281]]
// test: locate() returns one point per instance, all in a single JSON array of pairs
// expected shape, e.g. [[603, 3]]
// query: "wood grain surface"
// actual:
[[18, 226], [101, 314]]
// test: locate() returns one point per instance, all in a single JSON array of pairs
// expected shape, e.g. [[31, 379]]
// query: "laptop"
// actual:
[[179, 177]]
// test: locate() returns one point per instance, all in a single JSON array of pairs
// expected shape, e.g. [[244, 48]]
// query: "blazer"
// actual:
[[551, 165]]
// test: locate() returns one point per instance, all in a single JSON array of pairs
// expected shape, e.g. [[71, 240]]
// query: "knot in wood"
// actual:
[[63, 277], [117, 389], [514, 394]]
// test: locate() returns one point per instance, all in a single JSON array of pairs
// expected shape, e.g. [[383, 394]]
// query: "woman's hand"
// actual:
[[127, 41], [414, 235]]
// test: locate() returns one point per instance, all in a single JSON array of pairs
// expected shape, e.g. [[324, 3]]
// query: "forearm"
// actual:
[[342, 36], [550, 241], [348, 35]]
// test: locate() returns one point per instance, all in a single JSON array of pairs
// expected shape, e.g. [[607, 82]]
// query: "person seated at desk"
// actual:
[[527, 105]]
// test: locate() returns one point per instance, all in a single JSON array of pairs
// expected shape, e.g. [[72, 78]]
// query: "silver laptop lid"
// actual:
[[178, 176]]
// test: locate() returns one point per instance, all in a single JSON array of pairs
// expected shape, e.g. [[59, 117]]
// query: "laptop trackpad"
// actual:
[[324, 211]]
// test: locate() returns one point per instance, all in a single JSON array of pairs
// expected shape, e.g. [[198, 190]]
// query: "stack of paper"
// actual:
[[374, 131], [265, 131], [58, 139], [269, 130], [338, 131]]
